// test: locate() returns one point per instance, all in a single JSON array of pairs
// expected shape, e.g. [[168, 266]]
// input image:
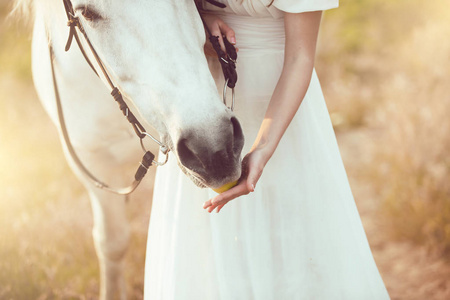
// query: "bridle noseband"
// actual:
[[228, 63]]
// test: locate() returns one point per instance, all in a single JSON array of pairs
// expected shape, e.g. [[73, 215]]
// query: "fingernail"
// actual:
[[233, 40], [253, 187]]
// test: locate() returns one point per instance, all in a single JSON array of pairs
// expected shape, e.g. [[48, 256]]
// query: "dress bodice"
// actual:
[[259, 23], [253, 8], [264, 8]]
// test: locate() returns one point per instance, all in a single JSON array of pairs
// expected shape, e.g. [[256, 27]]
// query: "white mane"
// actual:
[[26, 8], [23, 8]]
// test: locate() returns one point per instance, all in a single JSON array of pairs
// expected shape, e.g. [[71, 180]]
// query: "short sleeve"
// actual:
[[298, 6]]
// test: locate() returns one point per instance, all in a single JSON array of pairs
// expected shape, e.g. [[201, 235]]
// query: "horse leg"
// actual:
[[117, 144], [111, 231], [111, 235]]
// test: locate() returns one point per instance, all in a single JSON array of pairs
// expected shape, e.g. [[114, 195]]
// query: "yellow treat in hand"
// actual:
[[225, 187]]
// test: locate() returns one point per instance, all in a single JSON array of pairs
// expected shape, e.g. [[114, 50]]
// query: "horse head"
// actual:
[[153, 52]]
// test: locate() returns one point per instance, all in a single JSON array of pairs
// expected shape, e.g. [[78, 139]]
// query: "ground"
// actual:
[[409, 271]]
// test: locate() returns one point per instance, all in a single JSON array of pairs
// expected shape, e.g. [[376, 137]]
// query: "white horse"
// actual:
[[153, 51]]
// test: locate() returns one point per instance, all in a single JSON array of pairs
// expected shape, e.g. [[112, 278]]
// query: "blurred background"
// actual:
[[384, 66]]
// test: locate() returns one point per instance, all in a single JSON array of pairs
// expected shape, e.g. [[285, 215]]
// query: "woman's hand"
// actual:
[[252, 168], [218, 28]]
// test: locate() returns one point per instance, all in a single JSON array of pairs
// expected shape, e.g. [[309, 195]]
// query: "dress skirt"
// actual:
[[298, 236]]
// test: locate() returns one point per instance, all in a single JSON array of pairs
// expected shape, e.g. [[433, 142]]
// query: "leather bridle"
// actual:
[[227, 59], [228, 66]]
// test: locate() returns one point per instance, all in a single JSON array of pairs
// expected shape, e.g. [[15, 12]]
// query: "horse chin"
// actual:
[[194, 178], [199, 181]]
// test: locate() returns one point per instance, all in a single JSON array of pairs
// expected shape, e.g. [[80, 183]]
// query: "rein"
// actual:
[[228, 63], [146, 162], [227, 60]]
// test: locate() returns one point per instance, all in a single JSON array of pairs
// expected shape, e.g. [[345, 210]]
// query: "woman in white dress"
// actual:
[[292, 230]]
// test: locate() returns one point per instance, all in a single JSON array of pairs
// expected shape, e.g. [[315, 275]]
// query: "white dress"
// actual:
[[299, 235]]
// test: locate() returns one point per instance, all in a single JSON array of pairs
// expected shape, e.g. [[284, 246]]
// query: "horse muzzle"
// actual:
[[213, 154]]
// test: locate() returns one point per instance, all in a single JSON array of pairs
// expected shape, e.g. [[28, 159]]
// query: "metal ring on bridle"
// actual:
[[163, 148], [225, 96]]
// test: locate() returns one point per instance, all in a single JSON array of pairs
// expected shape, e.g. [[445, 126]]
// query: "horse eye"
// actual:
[[90, 14]]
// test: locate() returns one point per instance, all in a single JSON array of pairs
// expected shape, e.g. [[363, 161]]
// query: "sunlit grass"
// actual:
[[414, 165], [46, 247], [358, 52], [385, 65], [38, 195]]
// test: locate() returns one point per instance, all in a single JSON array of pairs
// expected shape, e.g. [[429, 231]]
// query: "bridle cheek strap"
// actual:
[[149, 158], [72, 23], [146, 162]]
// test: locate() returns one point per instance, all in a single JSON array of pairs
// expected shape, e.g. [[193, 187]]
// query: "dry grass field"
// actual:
[[389, 73], [384, 67]]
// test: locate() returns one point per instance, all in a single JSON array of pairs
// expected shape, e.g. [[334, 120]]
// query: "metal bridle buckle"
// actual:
[[163, 148], [233, 97]]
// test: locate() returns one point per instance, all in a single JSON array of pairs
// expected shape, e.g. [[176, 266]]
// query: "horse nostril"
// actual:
[[238, 137], [187, 157]]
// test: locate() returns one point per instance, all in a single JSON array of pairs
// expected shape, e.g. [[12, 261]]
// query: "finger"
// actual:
[[207, 204], [239, 190], [252, 179], [214, 206], [220, 207], [209, 50], [217, 32], [228, 32], [215, 202], [222, 44]]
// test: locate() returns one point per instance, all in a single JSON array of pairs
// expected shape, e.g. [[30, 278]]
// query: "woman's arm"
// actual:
[[301, 38]]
